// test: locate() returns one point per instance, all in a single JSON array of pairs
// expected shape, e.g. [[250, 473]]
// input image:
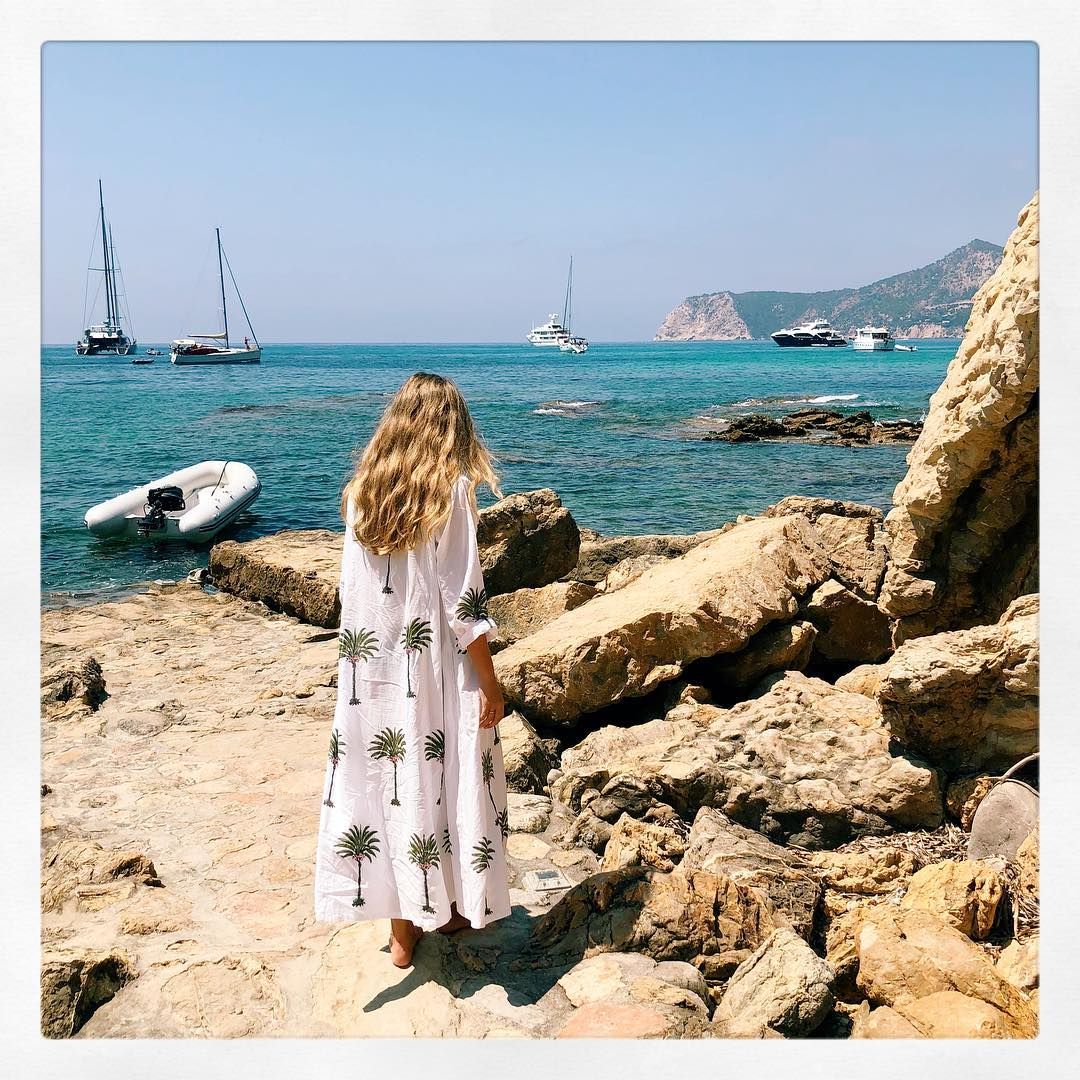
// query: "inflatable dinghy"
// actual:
[[192, 504]]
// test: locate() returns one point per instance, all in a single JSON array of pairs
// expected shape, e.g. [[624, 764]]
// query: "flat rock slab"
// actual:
[[711, 600]]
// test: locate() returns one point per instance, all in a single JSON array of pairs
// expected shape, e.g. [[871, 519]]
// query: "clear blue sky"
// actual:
[[433, 192]]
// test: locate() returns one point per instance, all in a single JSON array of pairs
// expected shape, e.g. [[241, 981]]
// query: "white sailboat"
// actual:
[[571, 344], [216, 348], [107, 336]]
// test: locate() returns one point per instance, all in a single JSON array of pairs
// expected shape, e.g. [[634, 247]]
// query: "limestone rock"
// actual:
[[803, 763], [293, 572], [1027, 860], [786, 647], [692, 916], [718, 845], [875, 871], [964, 526], [527, 758], [526, 540], [968, 699], [639, 843], [1019, 964], [783, 985], [73, 690], [952, 1015], [75, 982], [863, 679], [882, 1023], [963, 795], [852, 533], [905, 955], [625, 644], [524, 611], [528, 813], [963, 894], [229, 998], [848, 627], [600, 555], [77, 863]]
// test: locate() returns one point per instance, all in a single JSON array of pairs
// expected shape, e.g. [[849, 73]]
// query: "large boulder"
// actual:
[[526, 540], [527, 758], [946, 1014], [908, 955], [849, 628], [713, 599], [642, 843], [524, 611], [784, 985], [782, 875], [853, 535], [967, 699], [963, 894], [704, 919], [963, 531], [294, 572], [804, 763]]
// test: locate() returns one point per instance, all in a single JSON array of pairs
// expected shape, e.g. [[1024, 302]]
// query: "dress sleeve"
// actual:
[[461, 582]]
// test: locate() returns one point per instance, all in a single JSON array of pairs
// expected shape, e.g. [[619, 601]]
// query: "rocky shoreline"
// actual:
[[748, 761]]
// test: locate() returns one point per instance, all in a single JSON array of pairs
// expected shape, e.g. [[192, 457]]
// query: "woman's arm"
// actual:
[[492, 706]]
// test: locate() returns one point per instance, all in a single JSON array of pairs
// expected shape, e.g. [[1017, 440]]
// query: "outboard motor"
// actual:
[[159, 502]]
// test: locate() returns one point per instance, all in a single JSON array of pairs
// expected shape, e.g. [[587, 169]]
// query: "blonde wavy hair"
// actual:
[[402, 488]]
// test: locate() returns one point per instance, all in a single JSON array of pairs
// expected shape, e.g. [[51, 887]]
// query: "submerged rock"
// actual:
[[817, 425]]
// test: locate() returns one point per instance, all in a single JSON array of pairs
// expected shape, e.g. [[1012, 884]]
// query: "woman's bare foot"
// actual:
[[456, 922], [403, 938]]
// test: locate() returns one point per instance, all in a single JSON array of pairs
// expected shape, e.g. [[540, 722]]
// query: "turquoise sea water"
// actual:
[[616, 432]]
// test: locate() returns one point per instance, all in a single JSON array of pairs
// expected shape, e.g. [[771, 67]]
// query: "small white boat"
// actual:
[[571, 344], [873, 339], [906, 348], [192, 504], [143, 360]]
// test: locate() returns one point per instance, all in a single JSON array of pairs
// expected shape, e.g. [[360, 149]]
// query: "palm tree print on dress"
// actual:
[[359, 844], [415, 638], [357, 645], [424, 853], [386, 588], [337, 752], [483, 854], [488, 767], [389, 745], [502, 820], [473, 605], [447, 845], [435, 750]]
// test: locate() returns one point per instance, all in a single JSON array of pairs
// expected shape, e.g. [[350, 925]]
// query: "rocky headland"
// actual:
[[932, 301], [750, 761]]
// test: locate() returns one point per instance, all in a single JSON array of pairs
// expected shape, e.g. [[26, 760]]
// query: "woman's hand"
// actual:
[[492, 706]]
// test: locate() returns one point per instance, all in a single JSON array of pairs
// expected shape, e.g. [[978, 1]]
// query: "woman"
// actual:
[[414, 818]]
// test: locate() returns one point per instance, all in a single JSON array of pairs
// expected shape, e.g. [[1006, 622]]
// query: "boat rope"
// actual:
[[215, 487], [232, 278]]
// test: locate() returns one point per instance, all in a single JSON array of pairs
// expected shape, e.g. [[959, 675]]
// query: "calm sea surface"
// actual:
[[617, 433]]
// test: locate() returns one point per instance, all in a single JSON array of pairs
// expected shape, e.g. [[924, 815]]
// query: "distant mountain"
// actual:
[[932, 301]]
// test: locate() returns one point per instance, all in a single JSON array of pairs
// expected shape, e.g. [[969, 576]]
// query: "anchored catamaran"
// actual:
[[215, 348], [107, 336]]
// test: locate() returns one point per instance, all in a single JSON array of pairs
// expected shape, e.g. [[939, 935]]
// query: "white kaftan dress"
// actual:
[[414, 812]]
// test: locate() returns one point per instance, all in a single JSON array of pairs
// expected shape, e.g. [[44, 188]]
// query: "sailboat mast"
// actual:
[[112, 274], [221, 275], [105, 256], [566, 299]]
